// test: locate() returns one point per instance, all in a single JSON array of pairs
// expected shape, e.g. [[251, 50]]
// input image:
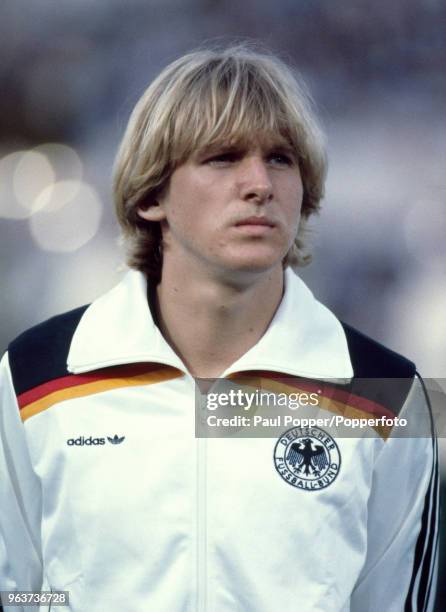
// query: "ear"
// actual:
[[154, 212]]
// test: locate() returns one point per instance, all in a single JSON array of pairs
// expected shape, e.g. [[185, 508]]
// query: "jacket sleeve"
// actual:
[[20, 494], [399, 573]]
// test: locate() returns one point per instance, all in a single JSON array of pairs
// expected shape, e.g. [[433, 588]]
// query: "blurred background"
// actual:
[[71, 72]]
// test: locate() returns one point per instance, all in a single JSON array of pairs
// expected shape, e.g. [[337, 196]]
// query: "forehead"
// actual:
[[231, 123], [262, 140]]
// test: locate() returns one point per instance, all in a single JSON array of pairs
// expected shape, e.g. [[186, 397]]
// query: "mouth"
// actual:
[[255, 222], [255, 227]]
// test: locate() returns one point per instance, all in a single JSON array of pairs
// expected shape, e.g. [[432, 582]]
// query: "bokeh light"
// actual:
[[69, 218], [27, 178], [56, 195], [66, 163], [10, 207], [32, 174]]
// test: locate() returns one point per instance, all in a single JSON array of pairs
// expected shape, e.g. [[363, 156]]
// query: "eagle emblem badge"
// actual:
[[307, 458]]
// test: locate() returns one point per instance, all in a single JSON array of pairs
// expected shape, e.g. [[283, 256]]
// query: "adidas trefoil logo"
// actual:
[[90, 441], [116, 439]]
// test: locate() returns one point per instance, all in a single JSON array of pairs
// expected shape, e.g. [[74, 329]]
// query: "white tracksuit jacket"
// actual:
[[107, 493]]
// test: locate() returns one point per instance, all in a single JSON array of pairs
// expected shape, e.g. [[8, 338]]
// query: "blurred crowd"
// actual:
[[71, 72]]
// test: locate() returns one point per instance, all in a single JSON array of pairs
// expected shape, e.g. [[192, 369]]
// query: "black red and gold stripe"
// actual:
[[74, 386]]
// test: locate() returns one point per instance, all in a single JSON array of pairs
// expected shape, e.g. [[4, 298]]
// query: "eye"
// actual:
[[281, 159], [219, 159]]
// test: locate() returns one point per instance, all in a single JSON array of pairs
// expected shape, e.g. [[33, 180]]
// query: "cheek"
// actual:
[[299, 191], [294, 197], [179, 206], [185, 218], [180, 220], [188, 198]]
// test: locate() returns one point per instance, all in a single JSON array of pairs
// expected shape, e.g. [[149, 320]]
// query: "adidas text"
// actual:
[[81, 441], [90, 441]]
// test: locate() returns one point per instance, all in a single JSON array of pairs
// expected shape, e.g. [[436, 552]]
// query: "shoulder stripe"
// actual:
[[433, 551], [420, 594], [371, 361], [331, 397], [40, 354], [425, 552], [74, 386], [427, 563]]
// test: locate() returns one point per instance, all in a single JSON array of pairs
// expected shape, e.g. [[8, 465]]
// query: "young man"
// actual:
[[106, 491]]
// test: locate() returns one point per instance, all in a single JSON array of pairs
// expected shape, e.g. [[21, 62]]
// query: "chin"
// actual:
[[254, 263]]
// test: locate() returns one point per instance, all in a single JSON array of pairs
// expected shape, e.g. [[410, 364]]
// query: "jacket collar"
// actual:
[[304, 338]]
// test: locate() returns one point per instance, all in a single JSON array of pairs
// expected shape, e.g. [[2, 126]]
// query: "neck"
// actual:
[[210, 323]]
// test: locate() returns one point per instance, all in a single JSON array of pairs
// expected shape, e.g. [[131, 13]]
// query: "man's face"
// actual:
[[232, 210]]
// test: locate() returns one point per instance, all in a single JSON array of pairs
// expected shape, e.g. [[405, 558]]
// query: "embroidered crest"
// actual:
[[307, 458]]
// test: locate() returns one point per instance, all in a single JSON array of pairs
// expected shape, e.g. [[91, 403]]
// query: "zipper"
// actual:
[[201, 529]]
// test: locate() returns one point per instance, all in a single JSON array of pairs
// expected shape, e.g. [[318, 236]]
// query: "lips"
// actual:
[[255, 221]]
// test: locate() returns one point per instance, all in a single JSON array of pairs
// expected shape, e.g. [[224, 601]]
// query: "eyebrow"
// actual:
[[218, 147], [281, 145]]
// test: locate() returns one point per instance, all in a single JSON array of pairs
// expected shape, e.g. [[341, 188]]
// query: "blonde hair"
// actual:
[[207, 97]]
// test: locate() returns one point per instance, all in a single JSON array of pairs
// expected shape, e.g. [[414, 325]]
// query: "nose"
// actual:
[[256, 185]]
